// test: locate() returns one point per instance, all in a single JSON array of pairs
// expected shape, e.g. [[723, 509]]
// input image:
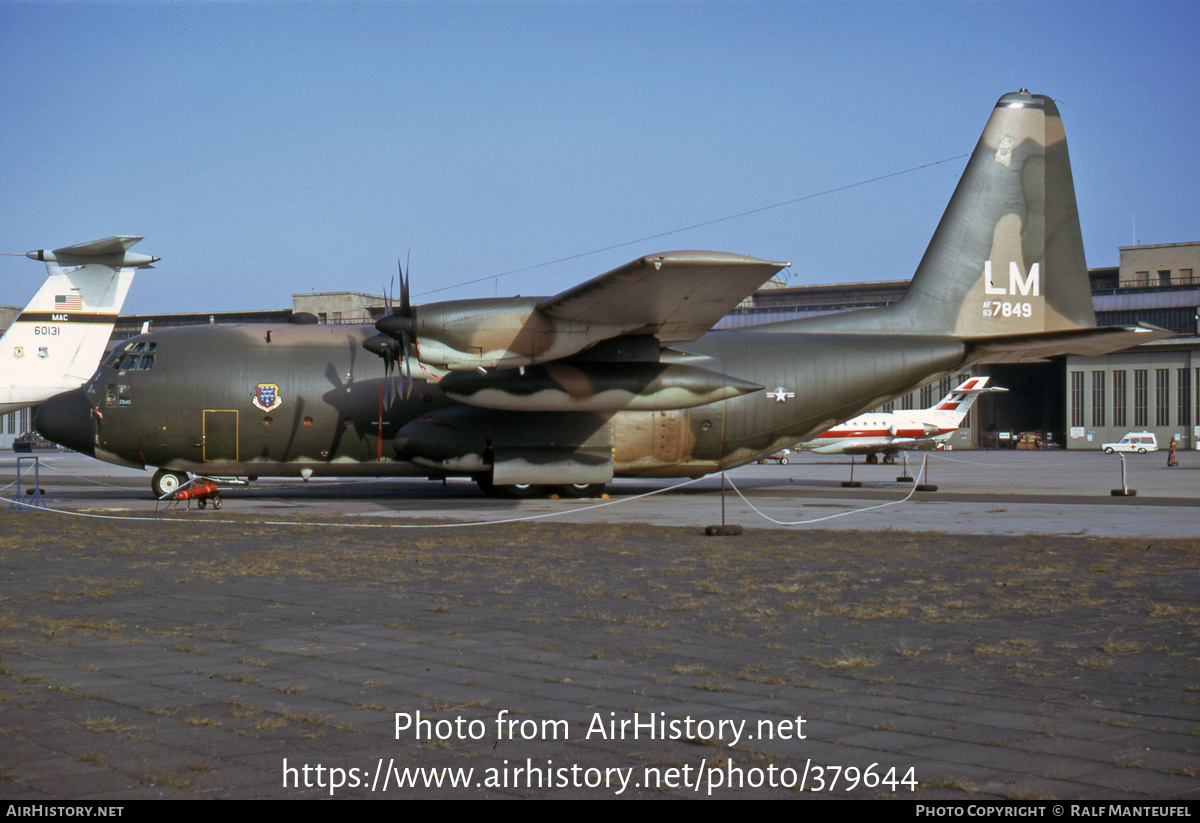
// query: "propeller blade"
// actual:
[[408, 381], [397, 328], [405, 306], [388, 392]]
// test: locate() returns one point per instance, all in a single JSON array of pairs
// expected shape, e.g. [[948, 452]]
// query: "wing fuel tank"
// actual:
[[594, 387]]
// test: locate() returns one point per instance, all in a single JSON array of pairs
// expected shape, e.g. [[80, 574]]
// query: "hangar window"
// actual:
[[1119, 399], [1098, 398], [1185, 398], [1141, 388], [1162, 397], [1077, 399]]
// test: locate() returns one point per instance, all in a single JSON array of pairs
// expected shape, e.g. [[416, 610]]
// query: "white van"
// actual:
[[1140, 442]]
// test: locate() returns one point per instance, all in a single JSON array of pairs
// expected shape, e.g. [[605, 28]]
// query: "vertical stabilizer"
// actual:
[[1007, 257], [951, 409], [57, 341]]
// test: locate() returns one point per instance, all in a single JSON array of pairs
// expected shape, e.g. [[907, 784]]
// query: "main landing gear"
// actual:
[[166, 483], [174, 487], [525, 491]]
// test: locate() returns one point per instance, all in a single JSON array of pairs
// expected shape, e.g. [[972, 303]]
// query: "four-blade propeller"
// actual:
[[397, 329]]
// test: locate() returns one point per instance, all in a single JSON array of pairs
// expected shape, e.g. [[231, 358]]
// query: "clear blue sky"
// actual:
[[271, 148]]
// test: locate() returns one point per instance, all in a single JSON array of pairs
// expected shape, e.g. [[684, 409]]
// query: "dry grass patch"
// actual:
[[849, 660], [1115, 646], [104, 725], [199, 720]]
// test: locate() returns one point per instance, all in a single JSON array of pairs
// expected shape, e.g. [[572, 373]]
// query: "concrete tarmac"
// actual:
[[999, 492], [1018, 633]]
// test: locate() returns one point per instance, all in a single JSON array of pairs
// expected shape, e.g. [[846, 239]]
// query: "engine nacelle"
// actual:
[[461, 335]]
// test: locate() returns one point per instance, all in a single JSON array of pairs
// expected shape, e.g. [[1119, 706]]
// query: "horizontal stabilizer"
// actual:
[[111, 251], [1086, 342]]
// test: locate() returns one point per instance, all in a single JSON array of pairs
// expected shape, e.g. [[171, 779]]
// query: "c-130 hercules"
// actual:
[[617, 377]]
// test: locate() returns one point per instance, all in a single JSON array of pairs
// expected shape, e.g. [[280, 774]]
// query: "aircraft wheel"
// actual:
[[581, 490], [217, 501], [520, 491], [889, 459], [783, 461], [166, 482], [872, 459], [202, 503]]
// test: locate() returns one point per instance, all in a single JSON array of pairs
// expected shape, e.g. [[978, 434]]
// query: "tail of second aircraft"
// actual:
[[57, 341], [951, 409], [1005, 270]]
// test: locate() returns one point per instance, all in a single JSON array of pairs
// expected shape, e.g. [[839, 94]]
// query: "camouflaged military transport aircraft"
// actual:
[[56, 342], [617, 377]]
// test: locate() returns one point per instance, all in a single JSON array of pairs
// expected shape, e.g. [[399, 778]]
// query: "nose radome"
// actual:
[[66, 419]]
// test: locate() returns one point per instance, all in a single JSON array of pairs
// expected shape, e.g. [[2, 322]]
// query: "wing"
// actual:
[[673, 297], [676, 296]]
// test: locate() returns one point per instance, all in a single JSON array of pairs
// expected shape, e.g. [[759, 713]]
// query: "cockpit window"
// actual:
[[139, 356]]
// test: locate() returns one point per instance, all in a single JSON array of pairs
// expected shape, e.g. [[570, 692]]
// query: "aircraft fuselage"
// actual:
[[284, 401]]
